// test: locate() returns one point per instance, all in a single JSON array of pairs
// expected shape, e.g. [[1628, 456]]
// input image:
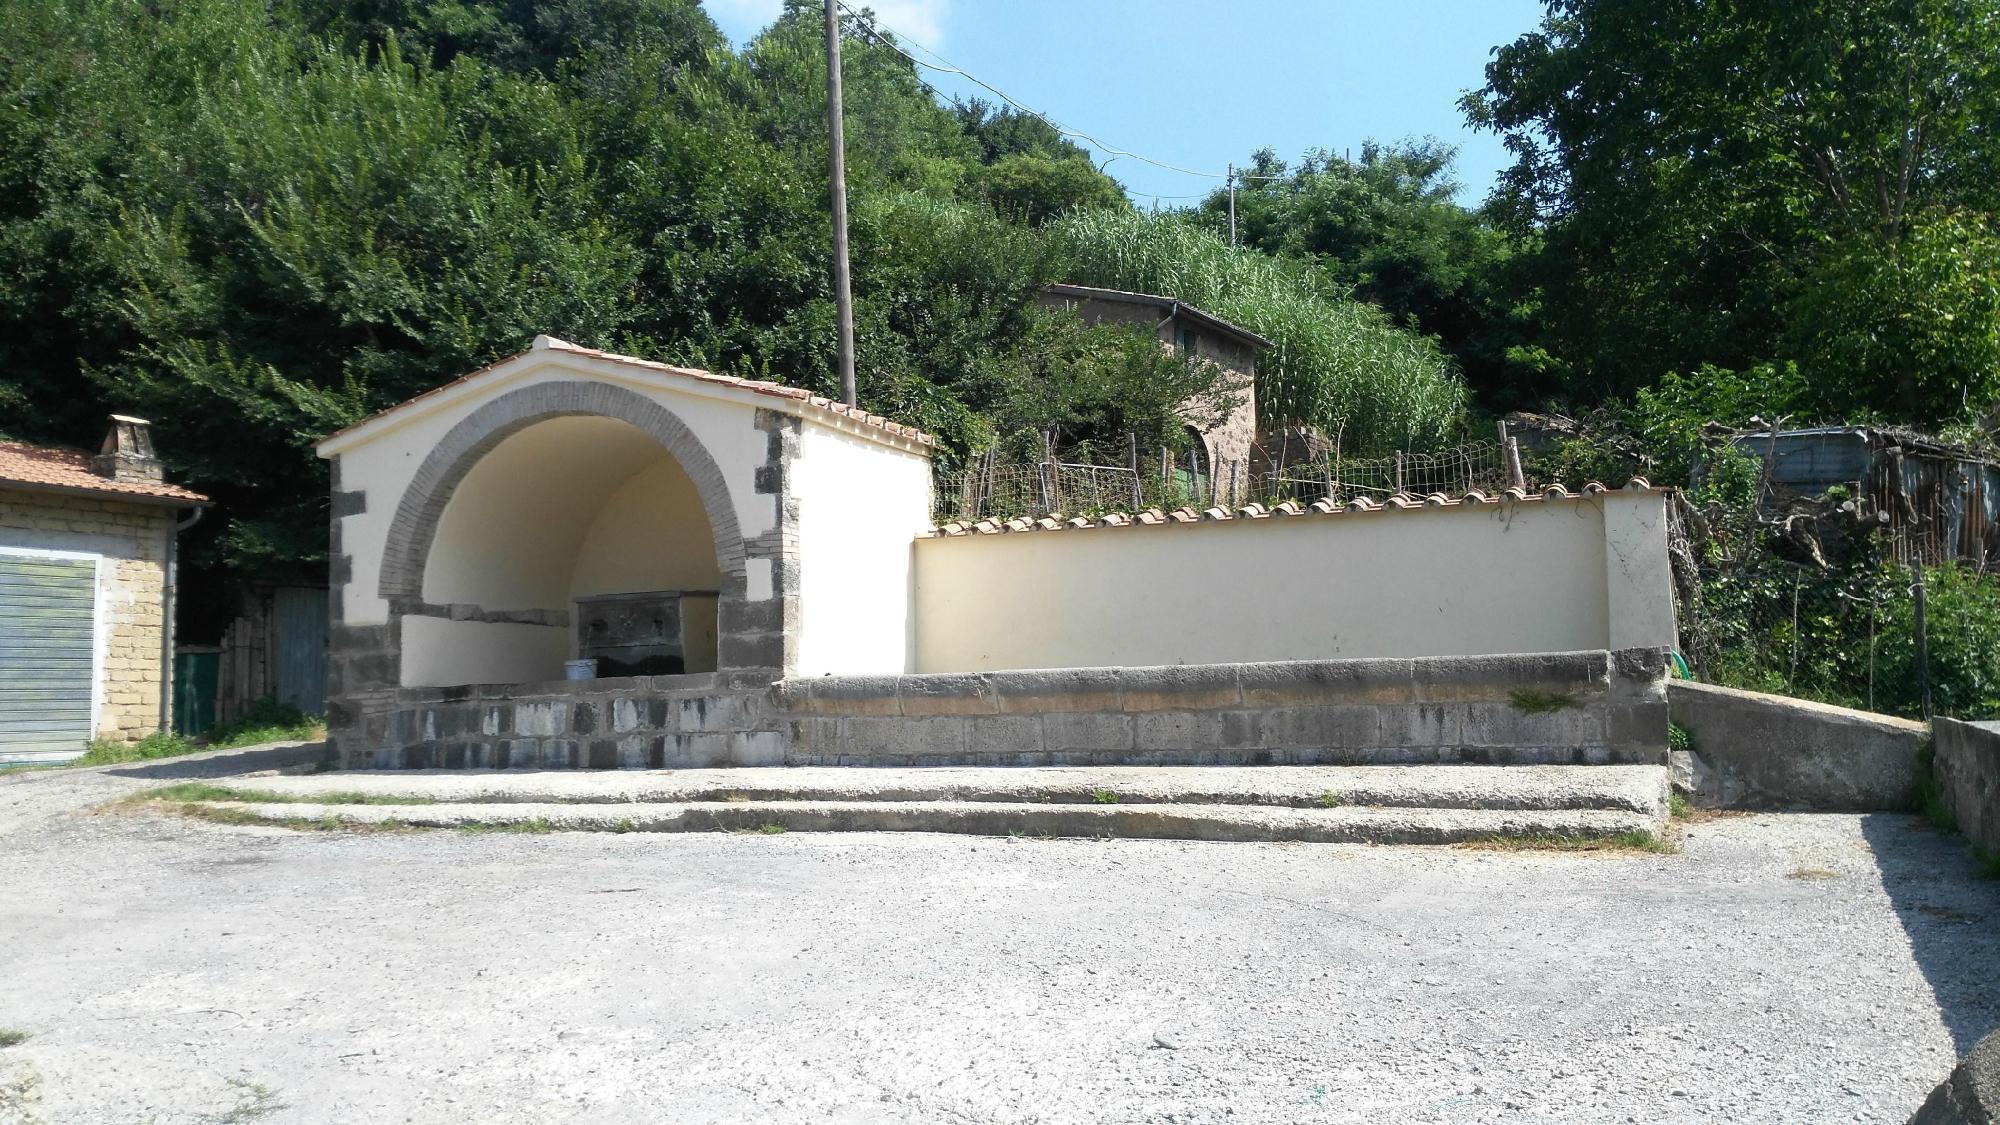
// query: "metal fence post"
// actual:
[[1918, 613]]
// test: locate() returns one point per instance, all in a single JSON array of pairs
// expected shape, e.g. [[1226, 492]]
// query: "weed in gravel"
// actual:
[[624, 824], [12, 1037], [1103, 797], [253, 1100], [238, 817], [535, 826], [1678, 805], [1331, 800], [1811, 874], [203, 791], [1637, 840], [1989, 864]]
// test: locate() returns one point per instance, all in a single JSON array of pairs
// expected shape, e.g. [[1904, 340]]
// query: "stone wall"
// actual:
[[1583, 707], [132, 538], [1753, 750], [1967, 767], [639, 722]]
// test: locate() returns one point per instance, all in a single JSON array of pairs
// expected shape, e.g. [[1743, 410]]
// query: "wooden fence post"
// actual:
[[1918, 616], [1132, 462]]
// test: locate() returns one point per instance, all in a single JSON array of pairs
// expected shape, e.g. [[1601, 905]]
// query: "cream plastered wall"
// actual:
[[440, 653], [861, 506], [381, 456], [564, 508], [652, 534], [130, 542], [1539, 576]]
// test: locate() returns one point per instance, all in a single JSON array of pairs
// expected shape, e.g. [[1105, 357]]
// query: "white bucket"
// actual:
[[580, 669]]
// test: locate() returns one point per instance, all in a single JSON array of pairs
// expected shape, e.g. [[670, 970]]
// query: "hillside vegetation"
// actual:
[[256, 223]]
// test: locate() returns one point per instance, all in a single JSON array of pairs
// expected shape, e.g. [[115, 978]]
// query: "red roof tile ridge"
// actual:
[[546, 343], [63, 469], [1400, 501]]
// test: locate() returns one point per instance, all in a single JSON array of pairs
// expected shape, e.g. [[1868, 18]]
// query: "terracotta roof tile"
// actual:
[[68, 470], [755, 386], [1292, 509]]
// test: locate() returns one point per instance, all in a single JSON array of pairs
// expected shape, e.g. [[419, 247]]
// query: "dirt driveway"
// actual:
[[1782, 969]]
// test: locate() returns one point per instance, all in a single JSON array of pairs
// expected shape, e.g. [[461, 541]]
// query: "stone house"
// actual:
[[86, 592], [1225, 448]]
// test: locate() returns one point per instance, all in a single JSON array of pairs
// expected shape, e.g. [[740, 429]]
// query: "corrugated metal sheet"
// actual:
[[301, 615], [47, 650], [1811, 461], [1942, 502]]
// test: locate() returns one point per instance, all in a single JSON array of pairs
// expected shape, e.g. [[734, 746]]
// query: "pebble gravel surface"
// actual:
[[1782, 968]]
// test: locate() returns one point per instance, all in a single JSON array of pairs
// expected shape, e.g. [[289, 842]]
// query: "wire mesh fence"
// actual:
[[1841, 621], [1091, 479]]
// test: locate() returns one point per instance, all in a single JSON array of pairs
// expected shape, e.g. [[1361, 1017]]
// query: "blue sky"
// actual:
[[1197, 83]]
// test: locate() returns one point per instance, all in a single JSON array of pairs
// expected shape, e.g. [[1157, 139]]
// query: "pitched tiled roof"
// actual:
[[1323, 507], [756, 386], [47, 468]]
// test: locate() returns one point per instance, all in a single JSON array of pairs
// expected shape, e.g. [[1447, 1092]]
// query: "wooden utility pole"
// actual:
[[1232, 203], [836, 159]]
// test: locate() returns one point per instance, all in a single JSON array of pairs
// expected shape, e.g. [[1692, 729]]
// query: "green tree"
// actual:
[[1697, 175], [1389, 226]]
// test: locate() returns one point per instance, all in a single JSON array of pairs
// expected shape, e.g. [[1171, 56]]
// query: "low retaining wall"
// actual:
[[1752, 750], [640, 722], [1581, 707], [1967, 767]]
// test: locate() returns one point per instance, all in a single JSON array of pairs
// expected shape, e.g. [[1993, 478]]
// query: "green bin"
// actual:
[[195, 671]]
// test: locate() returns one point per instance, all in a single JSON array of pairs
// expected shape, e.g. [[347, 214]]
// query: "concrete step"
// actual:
[[1640, 789], [1232, 822], [1380, 804]]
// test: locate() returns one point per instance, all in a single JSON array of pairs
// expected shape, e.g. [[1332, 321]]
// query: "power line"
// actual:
[[948, 67]]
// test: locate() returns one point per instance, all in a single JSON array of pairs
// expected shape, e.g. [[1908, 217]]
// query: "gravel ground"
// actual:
[[1783, 969]]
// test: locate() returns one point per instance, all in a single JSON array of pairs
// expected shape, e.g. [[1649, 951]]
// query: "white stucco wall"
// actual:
[[651, 534], [565, 508], [861, 506], [380, 458], [1529, 577], [439, 653]]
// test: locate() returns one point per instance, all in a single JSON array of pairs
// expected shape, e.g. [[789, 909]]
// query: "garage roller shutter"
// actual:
[[47, 636]]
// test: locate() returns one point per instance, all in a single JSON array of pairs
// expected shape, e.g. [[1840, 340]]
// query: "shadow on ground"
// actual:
[[1950, 914], [227, 763]]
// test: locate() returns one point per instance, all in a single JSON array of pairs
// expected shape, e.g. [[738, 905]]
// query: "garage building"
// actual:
[[86, 564]]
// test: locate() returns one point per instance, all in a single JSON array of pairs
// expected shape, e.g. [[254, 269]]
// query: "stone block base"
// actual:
[[1548, 708]]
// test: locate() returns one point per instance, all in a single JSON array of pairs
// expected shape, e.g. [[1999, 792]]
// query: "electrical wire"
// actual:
[[945, 66]]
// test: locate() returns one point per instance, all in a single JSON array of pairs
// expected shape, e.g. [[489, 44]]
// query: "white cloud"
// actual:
[[741, 19], [921, 20]]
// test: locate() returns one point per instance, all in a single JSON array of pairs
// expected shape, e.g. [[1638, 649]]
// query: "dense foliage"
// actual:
[[1763, 181], [258, 222]]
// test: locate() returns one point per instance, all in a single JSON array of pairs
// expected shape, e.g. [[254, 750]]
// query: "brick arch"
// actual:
[[414, 529]]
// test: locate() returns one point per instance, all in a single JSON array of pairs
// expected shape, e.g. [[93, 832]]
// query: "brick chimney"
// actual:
[[128, 451]]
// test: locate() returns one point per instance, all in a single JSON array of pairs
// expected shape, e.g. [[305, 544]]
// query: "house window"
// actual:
[[1187, 341]]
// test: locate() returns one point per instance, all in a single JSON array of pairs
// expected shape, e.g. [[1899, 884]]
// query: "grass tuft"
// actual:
[[204, 791], [1534, 701], [1331, 800], [266, 721], [253, 1100], [1103, 796], [1811, 874], [1678, 806], [12, 1037], [1637, 840]]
